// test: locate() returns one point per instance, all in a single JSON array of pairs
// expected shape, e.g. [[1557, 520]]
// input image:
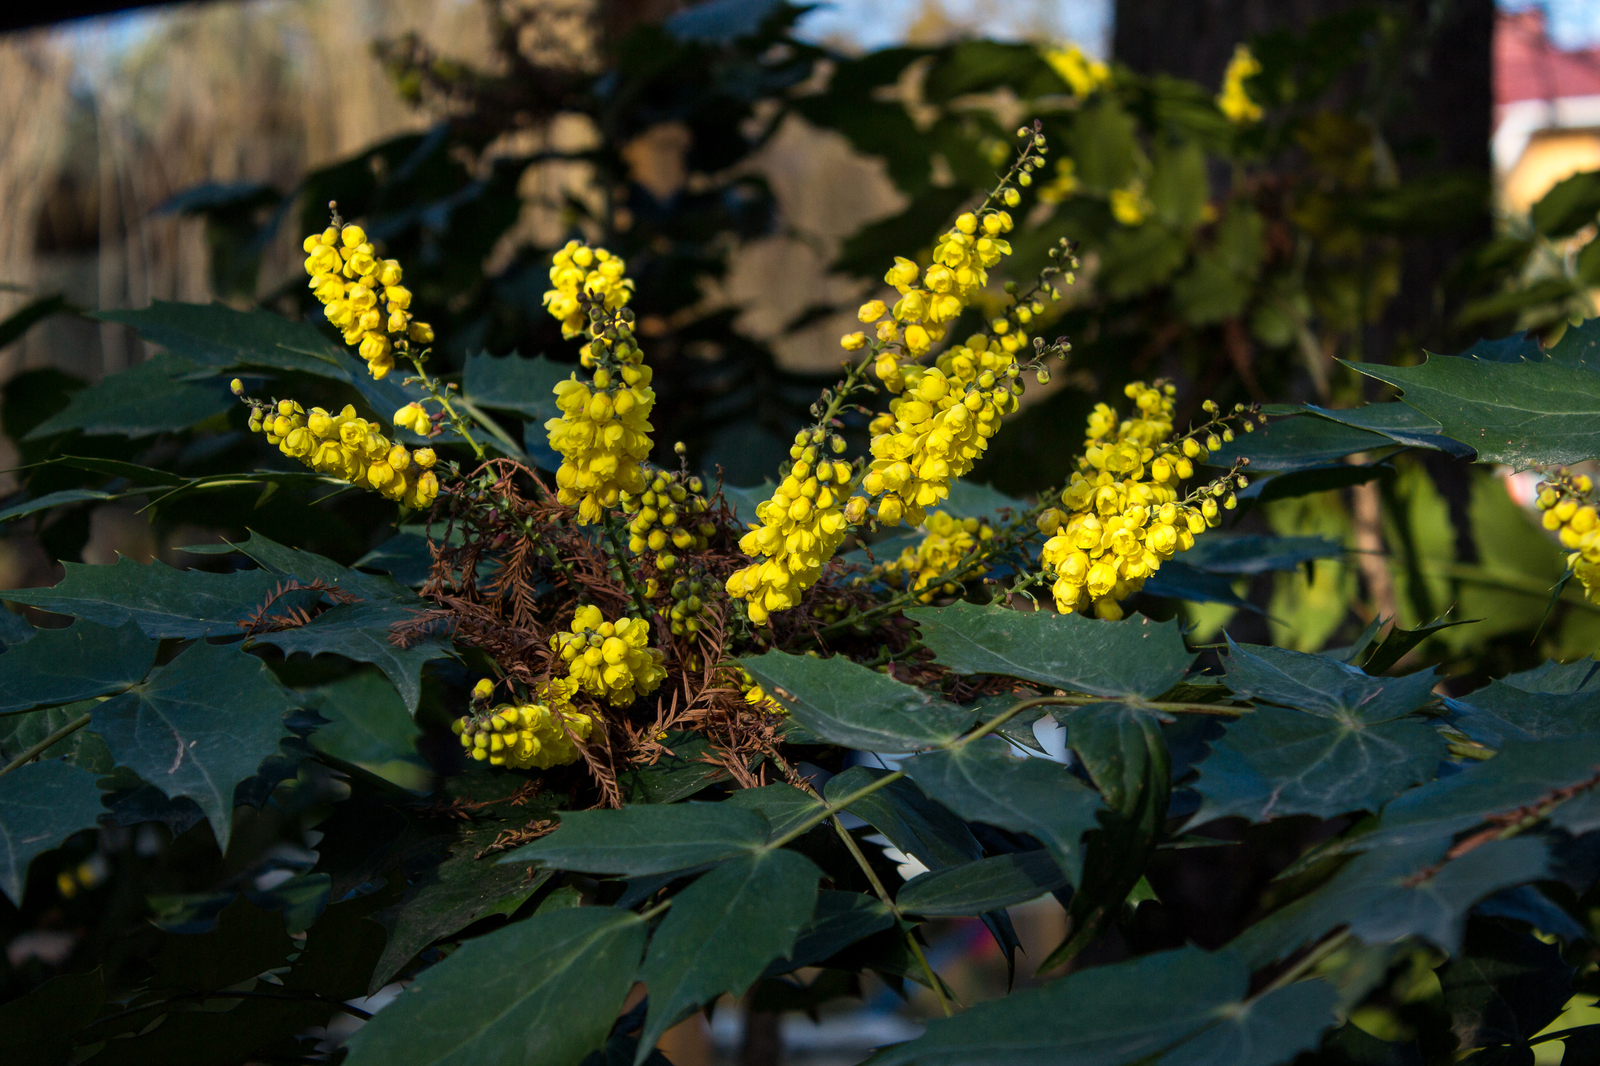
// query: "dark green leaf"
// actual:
[[982, 782], [841, 919], [1220, 553], [1398, 642], [247, 941], [1135, 657], [689, 765], [165, 602], [967, 500], [55, 499], [120, 404], [1502, 712], [64, 665], [81, 748], [368, 726], [541, 992], [515, 384], [722, 931], [308, 567], [1401, 422], [1396, 892], [131, 472], [784, 806], [649, 839], [198, 727], [847, 703], [221, 337], [41, 804], [41, 1025], [1322, 685], [1569, 206], [405, 556], [365, 632], [1551, 676], [1298, 442], [983, 885], [1267, 1031], [1180, 581], [912, 822], [445, 900], [1522, 414], [1505, 986], [1096, 1017]]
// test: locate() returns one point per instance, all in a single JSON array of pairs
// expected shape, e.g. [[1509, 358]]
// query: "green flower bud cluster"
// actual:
[[668, 518]]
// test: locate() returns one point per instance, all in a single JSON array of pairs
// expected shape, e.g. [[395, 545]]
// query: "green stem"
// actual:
[[46, 744], [443, 399], [622, 567]]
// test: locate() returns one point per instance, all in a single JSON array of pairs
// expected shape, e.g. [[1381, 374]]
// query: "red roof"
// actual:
[[1528, 67]]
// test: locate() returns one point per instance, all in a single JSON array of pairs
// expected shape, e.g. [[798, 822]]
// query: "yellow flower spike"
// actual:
[[344, 272]]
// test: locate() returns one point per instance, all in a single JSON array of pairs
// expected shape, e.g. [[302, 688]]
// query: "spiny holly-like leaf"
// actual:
[[841, 919], [1319, 684], [121, 404], [1395, 892], [41, 804], [540, 992], [1298, 443], [364, 632], [1501, 712], [647, 839], [307, 567], [784, 806], [221, 337], [1218, 553], [1551, 676], [1523, 774], [1135, 657], [1401, 422], [1345, 745], [23, 508], [367, 726], [163, 601], [65, 665], [447, 899], [199, 726], [1522, 414], [974, 888], [982, 782], [846, 703], [1097, 1017], [1268, 1031], [691, 766], [907, 817], [721, 933]]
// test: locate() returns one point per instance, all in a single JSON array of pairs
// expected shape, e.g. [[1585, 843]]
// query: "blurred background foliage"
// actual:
[[759, 180]]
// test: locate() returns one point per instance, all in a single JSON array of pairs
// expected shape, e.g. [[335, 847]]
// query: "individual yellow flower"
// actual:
[[1234, 100], [535, 735], [1569, 512], [611, 660], [347, 277], [947, 542], [797, 531], [577, 271], [414, 416], [1082, 73], [351, 448], [939, 425], [1122, 516]]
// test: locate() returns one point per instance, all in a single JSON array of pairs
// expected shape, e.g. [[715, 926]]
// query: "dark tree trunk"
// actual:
[[1438, 117]]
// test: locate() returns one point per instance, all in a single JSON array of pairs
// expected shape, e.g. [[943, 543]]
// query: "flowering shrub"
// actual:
[[592, 717]]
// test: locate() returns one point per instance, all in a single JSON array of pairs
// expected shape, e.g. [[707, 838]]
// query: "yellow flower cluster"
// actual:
[[939, 425], [578, 271], [798, 531], [1570, 515], [961, 259], [949, 540], [664, 517], [528, 735], [603, 433], [1084, 74], [1234, 100], [350, 448], [346, 275], [611, 660], [1122, 514]]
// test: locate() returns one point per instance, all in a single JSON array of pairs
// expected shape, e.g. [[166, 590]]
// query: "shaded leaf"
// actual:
[[540, 992], [984, 783], [1396, 892], [1297, 443], [691, 766], [515, 383], [1570, 205], [246, 941], [1266, 1031], [911, 821], [847, 703], [41, 804], [722, 931], [649, 839], [65, 665], [840, 919], [1500, 712], [120, 404], [163, 601], [1246, 554], [368, 726], [1400, 422], [41, 1025], [1322, 685], [221, 337], [364, 632], [24, 508], [784, 806], [972, 888], [1504, 987], [198, 727], [1134, 657]]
